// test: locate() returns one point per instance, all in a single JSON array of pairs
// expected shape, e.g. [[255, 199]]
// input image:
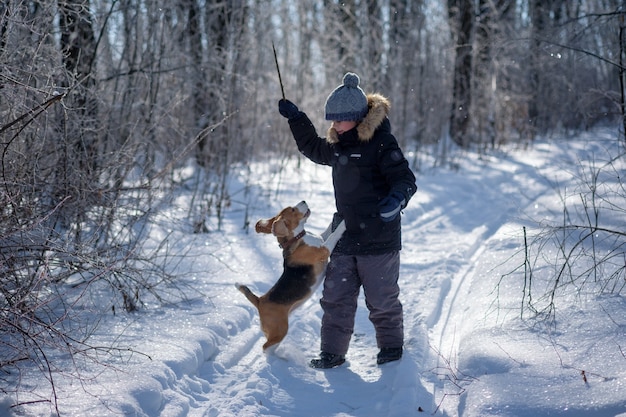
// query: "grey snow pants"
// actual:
[[345, 274]]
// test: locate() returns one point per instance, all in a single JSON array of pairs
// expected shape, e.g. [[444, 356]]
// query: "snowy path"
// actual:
[[245, 382], [237, 379]]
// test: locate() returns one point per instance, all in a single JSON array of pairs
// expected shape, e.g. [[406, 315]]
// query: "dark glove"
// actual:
[[391, 205], [287, 109]]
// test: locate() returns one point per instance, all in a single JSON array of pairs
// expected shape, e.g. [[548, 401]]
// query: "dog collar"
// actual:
[[293, 240]]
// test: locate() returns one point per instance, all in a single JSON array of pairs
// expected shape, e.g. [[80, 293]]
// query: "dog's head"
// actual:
[[288, 223]]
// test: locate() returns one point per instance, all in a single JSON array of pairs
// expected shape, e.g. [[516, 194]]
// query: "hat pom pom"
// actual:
[[351, 80]]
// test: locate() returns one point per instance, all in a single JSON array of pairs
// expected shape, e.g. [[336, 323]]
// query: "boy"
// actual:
[[373, 183]]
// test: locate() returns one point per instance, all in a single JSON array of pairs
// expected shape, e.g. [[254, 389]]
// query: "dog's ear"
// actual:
[[264, 226], [279, 228]]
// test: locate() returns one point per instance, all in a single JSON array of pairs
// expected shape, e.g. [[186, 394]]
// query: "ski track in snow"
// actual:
[[446, 315], [447, 320]]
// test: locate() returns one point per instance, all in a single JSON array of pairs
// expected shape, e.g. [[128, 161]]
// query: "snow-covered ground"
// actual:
[[468, 350]]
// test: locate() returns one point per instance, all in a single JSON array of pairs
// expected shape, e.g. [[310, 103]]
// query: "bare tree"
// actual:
[[79, 167], [622, 71], [582, 253], [376, 53], [484, 85], [341, 18], [461, 13], [73, 221]]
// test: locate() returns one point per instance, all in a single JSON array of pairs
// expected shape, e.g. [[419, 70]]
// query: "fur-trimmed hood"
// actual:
[[378, 110]]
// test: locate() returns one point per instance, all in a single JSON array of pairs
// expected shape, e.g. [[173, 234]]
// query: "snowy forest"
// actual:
[[108, 107]]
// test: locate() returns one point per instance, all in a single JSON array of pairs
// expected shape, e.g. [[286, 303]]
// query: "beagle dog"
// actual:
[[305, 257]]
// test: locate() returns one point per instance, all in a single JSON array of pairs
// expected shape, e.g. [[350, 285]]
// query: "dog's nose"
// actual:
[[302, 206]]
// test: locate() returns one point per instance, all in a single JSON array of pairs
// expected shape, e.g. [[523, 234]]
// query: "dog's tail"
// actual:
[[249, 295]]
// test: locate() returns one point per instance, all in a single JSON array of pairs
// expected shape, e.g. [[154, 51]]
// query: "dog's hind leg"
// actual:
[[274, 323], [275, 336]]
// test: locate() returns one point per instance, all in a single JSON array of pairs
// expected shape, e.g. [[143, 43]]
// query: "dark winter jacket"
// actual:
[[367, 165]]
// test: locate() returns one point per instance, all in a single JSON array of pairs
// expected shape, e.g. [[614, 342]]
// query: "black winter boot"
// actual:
[[327, 360], [388, 355]]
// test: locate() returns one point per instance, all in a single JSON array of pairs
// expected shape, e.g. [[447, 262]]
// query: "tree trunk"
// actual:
[[375, 50], [217, 17], [538, 26], [78, 169], [78, 47], [622, 72], [461, 13]]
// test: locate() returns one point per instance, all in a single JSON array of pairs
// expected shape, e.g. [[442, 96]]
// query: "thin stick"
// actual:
[[278, 70]]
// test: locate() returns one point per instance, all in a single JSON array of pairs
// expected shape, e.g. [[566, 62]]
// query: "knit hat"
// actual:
[[347, 102]]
